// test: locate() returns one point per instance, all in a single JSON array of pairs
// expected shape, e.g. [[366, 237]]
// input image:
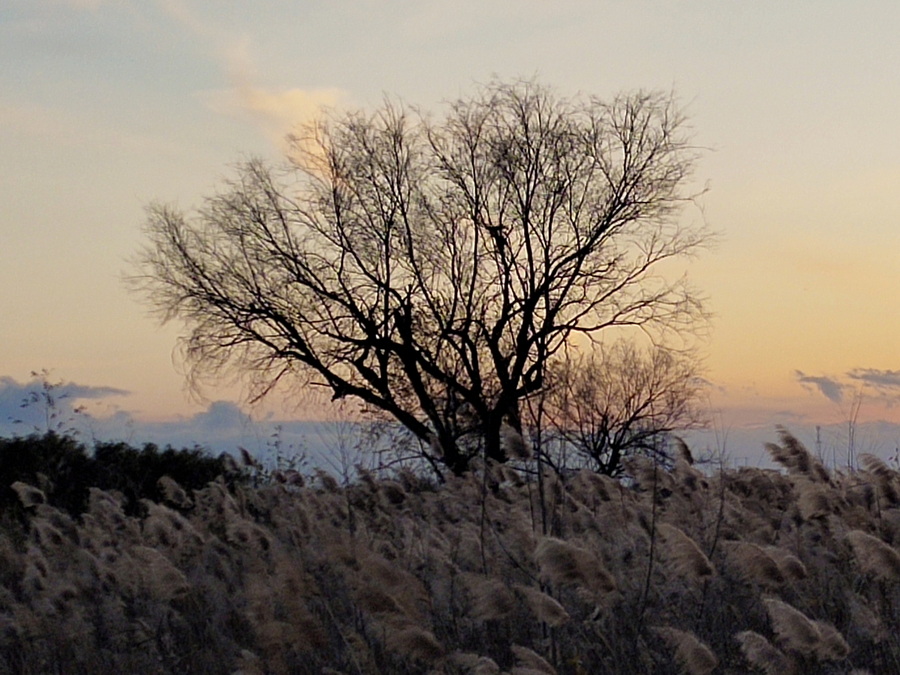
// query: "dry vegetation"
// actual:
[[667, 571]]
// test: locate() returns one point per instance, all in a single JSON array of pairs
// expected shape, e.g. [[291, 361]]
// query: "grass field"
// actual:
[[666, 571]]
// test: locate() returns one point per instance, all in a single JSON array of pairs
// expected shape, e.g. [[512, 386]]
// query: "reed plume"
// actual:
[[46, 535], [173, 493], [414, 642], [762, 654], [592, 487], [866, 621], [794, 456], [692, 655], [874, 556], [328, 481], [29, 495], [648, 475], [832, 645], [563, 563], [392, 492], [474, 664], [248, 663], [815, 500], [789, 565], [688, 477], [491, 598], [36, 577], [884, 477], [683, 451], [507, 474], [529, 659], [689, 561], [754, 563], [157, 576], [377, 601], [544, 607], [794, 629]]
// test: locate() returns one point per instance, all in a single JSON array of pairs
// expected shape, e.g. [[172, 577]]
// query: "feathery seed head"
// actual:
[[689, 561], [414, 642], [815, 500], [530, 659], [491, 598], [789, 565], [328, 481], [793, 628], [874, 556], [544, 607], [695, 657], [563, 563], [762, 654], [832, 645], [754, 563], [29, 495], [174, 493], [794, 456], [474, 664]]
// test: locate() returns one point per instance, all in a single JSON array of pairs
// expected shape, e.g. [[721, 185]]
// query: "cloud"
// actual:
[[274, 110], [223, 427], [221, 416], [41, 404], [880, 379], [829, 387]]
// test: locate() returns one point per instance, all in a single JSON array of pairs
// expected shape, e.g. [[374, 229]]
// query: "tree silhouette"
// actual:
[[430, 266], [619, 401]]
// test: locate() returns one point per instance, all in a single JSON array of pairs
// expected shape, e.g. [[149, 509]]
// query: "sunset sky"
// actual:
[[106, 105]]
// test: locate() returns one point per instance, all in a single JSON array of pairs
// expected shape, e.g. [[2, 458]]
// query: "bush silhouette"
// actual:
[[64, 469]]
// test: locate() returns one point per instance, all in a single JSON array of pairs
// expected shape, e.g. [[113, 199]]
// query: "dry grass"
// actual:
[[563, 563], [754, 563], [685, 555], [763, 655], [691, 654], [874, 556], [793, 629], [394, 574]]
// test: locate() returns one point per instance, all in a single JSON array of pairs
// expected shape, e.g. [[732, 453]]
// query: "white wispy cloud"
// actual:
[[274, 110]]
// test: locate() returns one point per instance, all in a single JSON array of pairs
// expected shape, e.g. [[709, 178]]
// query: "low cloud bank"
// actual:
[[882, 386], [39, 406], [36, 407]]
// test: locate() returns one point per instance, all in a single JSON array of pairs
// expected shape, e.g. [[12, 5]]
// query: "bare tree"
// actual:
[[431, 266], [620, 400]]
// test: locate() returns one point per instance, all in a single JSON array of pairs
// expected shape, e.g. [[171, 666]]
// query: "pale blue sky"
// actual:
[[107, 105]]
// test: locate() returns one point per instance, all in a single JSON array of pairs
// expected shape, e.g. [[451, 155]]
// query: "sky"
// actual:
[[108, 105]]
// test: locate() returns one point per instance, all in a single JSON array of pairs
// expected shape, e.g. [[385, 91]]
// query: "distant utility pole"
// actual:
[[851, 428]]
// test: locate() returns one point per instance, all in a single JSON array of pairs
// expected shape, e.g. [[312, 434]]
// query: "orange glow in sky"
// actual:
[[106, 105]]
